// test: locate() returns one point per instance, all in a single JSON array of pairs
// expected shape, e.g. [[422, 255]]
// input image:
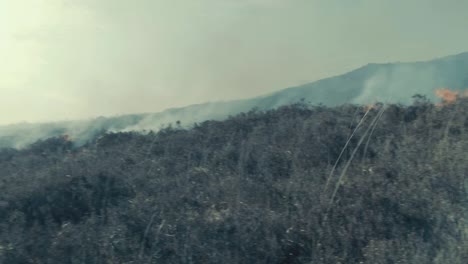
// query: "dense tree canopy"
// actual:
[[300, 184]]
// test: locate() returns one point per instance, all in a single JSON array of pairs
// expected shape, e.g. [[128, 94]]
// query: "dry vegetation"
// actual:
[[250, 189]]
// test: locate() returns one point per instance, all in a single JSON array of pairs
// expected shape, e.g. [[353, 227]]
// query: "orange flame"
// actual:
[[372, 106], [448, 96], [369, 107]]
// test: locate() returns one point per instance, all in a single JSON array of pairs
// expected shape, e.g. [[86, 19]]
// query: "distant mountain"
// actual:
[[389, 82]]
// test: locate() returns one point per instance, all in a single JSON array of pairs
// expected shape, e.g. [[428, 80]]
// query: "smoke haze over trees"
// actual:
[[391, 82], [233, 131], [71, 60]]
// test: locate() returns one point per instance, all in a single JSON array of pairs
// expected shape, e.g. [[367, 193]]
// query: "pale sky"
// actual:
[[75, 59]]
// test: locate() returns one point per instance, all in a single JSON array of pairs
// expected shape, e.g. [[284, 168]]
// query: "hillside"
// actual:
[[391, 82], [275, 186]]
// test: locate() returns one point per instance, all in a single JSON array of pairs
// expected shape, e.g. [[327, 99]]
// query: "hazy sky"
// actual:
[[69, 59]]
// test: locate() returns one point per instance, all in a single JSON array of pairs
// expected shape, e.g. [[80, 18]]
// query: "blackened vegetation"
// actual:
[[250, 189]]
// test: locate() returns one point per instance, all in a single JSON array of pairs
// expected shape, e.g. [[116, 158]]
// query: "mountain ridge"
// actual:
[[383, 82]]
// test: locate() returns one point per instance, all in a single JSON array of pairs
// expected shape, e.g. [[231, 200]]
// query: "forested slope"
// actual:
[[259, 187]]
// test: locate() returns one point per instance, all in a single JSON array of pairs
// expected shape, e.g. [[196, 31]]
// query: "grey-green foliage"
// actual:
[[249, 189]]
